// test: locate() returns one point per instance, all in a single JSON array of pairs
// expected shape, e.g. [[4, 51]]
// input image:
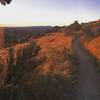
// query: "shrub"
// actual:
[[48, 87], [88, 32], [97, 32], [25, 63], [75, 26]]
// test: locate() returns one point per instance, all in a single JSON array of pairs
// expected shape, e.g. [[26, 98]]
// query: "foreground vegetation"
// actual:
[[33, 72]]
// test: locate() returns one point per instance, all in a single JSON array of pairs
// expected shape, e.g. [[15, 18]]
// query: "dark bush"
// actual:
[[48, 87], [87, 30], [25, 63], [97, 32], [75, 26]]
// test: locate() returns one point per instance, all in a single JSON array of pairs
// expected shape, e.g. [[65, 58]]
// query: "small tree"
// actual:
[[75, 26]]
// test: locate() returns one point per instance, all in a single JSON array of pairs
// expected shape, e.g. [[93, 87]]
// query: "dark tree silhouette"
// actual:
[[4, 2]]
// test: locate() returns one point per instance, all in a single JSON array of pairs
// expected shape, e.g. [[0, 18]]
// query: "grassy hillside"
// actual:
[[32, 64], [39, 62]]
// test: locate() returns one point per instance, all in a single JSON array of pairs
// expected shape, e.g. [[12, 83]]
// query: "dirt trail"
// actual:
[[87, 84]]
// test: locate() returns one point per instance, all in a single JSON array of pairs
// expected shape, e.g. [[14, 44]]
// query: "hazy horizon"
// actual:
[[48, 12]]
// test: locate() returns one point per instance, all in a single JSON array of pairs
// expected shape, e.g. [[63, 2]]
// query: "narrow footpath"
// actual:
[[87, 82]]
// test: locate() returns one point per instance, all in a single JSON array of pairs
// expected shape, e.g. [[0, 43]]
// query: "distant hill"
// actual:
[[31, 28], [12, 35]]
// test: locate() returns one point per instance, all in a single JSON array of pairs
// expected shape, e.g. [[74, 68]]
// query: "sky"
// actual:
[[48, 12]]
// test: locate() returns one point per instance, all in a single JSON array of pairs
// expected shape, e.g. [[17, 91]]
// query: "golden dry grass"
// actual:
[[93, 46], [55, 40]]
